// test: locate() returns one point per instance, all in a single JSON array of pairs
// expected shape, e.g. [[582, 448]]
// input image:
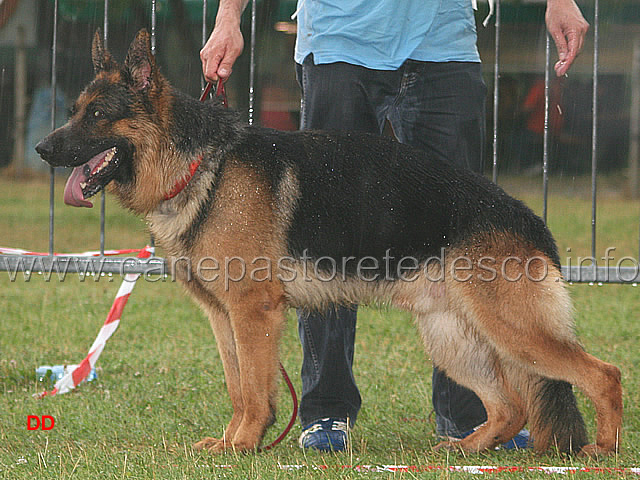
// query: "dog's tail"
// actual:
[[554, 418]]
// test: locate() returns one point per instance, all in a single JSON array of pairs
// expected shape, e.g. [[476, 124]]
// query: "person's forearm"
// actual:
[[231, 11]]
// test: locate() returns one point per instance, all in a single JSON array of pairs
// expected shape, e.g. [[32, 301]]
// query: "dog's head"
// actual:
[[111, 121]]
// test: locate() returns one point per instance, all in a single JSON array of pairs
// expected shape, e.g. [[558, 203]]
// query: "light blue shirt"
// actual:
[[382, 34]]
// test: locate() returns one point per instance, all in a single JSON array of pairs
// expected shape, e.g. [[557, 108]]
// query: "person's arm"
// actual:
[[567, 27], [225, 43]]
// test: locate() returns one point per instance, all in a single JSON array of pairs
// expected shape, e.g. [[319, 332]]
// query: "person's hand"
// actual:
[[567, 27], [225, 44]]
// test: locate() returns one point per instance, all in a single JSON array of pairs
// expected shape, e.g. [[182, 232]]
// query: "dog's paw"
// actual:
[[472, 444], [219, 445], [451, 446], [212, 445], [594, 451]]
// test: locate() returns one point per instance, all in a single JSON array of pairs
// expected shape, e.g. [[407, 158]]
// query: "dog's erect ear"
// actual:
[[102, 59], [140, 64]]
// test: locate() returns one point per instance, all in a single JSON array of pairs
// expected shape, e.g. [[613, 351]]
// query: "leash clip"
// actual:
[[219, 92]]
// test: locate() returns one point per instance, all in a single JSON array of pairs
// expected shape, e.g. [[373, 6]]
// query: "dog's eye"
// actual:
[[97, 113]]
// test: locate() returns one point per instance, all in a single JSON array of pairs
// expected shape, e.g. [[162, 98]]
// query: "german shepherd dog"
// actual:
[[309, 219]]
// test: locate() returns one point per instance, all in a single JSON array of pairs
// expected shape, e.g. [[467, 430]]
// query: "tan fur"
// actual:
[[536, 311], [286, 199], [158, 164], [247, 316]]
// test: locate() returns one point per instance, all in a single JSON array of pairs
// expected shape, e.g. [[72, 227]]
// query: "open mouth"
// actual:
[[89, 178]]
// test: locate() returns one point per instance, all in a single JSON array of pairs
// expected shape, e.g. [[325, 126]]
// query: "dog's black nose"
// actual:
[[44, 148]]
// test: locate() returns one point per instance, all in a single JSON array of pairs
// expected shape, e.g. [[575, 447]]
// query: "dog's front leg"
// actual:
[[256, 317], [221, 326], [257, 322]]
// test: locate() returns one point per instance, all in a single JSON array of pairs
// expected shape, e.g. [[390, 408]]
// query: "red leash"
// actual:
[[294, 415], [219, 92], [294, 398]]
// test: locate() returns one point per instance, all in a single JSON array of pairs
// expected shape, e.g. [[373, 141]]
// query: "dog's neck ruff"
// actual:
[[184, 181]]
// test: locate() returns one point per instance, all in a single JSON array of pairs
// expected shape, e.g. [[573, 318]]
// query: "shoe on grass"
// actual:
[[520, 441], [325, 435]]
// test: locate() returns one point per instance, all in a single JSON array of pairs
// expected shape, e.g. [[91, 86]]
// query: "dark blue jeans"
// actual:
[[438, 107]]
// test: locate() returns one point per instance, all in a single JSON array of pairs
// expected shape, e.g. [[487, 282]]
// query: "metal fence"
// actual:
[[585, 273]]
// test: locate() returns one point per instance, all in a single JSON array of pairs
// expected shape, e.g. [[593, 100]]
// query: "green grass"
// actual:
[[160, 385]]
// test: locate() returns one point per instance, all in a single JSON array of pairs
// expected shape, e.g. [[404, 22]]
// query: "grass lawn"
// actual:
[[160, 385]]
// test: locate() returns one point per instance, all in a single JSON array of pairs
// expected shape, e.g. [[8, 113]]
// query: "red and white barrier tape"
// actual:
[[469, 469], [72, 378], [92, 253]]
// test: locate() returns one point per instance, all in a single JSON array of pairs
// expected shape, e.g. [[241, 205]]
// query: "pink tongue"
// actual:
[[73, 192]]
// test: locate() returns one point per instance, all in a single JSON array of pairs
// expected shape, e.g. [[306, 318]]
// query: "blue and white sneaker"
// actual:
[[520, 441], [325, 435]]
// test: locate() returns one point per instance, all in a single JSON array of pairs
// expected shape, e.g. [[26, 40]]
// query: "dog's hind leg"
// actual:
[[556, 420], [532, 325], [465, 358]]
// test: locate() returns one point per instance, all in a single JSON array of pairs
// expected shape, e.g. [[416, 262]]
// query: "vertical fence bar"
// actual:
[[204, 22], [152, 240], [594, 127], [204, 33], [105, 25], [54, 94], [634, 122], [103, 195], [252, 63], [545, 135], [496, 99], [20, 101], [103, 207], [153, 27], [634, 129]]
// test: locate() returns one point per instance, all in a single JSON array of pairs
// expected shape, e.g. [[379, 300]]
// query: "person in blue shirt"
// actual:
[[361, 64]]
